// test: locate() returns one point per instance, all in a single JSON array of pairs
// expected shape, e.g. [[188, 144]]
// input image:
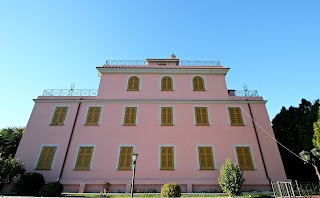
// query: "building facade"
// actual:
[[177, 115]]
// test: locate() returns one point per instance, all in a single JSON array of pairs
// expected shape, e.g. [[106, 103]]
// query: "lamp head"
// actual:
[[316, 152], [134, 157], [305, 155]]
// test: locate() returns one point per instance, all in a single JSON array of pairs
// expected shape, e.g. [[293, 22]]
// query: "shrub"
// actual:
[[231, 178], [51, 190], [10, 168], [170, 190], [29, 184]]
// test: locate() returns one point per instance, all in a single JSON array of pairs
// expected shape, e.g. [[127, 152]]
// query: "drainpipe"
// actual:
[[255, 130], [65, 157]]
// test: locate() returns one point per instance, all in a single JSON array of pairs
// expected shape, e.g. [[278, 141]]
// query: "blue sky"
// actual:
[[273, 46]]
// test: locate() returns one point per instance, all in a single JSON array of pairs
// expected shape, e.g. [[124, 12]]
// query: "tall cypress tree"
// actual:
[[316, 129], [293, 127]]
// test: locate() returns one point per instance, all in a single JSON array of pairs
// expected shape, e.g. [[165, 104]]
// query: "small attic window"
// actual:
[[162, 63]]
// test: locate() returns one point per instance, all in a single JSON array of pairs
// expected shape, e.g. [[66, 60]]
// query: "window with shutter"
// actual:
[[84, 158], [206, 160], [166, 84], [244, 158], [235, 116], [59, 116], [201, 115], [133, 83], [130, 116], [125, 159], [166, 116], [46, 158], [198, 83], [93, 116], [167, 158]]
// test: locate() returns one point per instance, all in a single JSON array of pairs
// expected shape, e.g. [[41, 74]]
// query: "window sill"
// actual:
[[56, 124], [82, 169], [42, 169], [129, 125], [165, 125], [167, 169], [91, 125], [202, 125], [237, 125]]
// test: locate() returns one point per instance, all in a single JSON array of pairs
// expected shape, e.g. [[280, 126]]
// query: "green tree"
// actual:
[[9, 168], [316, 129], [231, 179], [293, 127], [9, 140]]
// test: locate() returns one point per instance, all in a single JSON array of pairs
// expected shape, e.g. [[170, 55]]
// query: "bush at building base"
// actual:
[[29, 184], [170, 190], [10, 168], [51, 190], [231, 178]]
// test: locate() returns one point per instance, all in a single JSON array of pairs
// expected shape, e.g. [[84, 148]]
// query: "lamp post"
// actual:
[[308, 159], [134, 157]]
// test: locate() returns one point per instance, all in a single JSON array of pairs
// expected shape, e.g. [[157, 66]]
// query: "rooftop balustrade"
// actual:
[[70, 92], [143, 63], [243, 93]]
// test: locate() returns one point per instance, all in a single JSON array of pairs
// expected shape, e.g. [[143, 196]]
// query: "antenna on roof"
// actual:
[[245, 87], [72, 86]]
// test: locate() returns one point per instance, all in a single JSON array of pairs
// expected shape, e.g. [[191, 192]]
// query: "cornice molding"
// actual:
[[162, 70], [150, 101]]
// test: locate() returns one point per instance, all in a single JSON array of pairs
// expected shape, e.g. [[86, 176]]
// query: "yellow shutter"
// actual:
[[206, 161], [125, 159], [244, 158], [169, 83], [84, 158], [166, 83], [93, 116], [55, 117], [163, 84], [59, 116], [96, 115], [167, 158], [235, 116], [46, 157], [133, 83], [198, 83], [130, 116], [195, 84], [166, 116], [201, 115], [130, 84]]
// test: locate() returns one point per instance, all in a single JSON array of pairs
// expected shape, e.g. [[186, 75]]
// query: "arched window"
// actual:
[[133, 83], [166, 84], [198, 83]]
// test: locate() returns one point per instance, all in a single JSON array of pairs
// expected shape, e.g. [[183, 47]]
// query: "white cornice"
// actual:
[[150, 101], [162, 70]]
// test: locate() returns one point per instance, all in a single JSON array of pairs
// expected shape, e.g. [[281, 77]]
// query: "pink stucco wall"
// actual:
[[148, 135], [114, 86]]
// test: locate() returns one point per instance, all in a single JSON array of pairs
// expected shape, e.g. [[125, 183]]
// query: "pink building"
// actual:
[[177, 115]]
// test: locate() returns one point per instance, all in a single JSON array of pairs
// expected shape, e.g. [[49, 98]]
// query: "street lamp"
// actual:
[[308, 159], [134, 157]]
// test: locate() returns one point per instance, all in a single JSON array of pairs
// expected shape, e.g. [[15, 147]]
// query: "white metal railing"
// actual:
[[70, 92], [143, 63]]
